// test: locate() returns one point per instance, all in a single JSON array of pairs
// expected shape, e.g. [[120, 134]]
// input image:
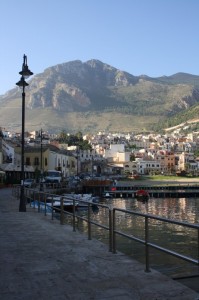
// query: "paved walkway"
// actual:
[[43, 260]]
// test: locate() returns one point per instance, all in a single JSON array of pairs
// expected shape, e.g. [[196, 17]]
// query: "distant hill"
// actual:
[[95, 96]]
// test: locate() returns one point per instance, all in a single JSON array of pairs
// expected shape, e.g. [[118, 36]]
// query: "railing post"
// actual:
[[45, 205], [34, 197], [146, 244], [39, 203], [74, 229], [29, 195], [89, 221], [62, 211], [113, 230], [52, 215], [110, 229]]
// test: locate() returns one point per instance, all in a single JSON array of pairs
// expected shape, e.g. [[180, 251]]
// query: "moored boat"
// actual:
[[68, 204], [107, 195], [83, 200], [142, 195]]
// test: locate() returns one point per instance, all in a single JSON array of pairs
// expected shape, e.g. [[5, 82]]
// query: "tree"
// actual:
[[132, 157], [63, 137], [74, 140], [79, 135], [84, 145]]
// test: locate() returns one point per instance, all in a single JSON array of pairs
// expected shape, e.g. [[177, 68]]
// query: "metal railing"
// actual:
[[39, 200], [146, 241], [44, 202]]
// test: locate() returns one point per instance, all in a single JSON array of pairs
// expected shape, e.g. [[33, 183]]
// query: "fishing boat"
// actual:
[[83, 200], [68, 204], [142, 195]]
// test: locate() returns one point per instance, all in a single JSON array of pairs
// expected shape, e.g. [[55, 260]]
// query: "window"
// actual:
[[46, 162], [36, 161], [28, 161]]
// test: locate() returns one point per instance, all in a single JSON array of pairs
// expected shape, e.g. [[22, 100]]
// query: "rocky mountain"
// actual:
[[94, 96]]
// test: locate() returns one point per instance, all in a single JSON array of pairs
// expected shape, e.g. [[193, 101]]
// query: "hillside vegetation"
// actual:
[[94, 96]]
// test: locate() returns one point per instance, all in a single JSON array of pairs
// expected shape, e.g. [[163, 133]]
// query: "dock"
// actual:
[[125, 190], [156, 189]]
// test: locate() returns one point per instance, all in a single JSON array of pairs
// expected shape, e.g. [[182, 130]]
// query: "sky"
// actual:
[[142, 37]]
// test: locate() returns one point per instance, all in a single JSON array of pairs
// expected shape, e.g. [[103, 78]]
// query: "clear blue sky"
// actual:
[[151, 37]]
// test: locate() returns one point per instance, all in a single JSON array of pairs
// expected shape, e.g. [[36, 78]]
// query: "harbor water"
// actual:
[[171, 236]]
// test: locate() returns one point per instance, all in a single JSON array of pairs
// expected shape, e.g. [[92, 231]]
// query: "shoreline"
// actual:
[[163, 182]]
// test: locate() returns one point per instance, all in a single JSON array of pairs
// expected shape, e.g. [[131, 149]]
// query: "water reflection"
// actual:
[[181, 209], [174, 237], [177, 238]]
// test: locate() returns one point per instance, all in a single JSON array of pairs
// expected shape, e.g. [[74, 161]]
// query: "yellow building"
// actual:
[[33, 156]]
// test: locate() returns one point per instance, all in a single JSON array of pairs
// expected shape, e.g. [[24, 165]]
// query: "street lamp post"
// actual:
[[22, 83], [41, 170], [92, 163], [77, 156]]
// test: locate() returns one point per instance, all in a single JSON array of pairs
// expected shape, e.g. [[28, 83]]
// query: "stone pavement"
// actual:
[[43, 260]]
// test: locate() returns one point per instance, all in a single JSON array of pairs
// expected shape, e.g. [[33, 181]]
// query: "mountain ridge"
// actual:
[[82, 91]]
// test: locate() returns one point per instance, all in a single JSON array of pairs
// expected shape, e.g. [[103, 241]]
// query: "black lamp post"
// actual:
[[25, 73], [92, 163], [41, 170], [77, 156]]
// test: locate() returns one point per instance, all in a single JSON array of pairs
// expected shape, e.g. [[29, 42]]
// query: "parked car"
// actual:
[[29, 182]]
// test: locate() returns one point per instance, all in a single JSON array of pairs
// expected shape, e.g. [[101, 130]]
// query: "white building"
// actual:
[[62, 161], [148, 166]]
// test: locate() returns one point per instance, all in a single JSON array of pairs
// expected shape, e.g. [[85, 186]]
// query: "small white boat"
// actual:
[[83, 199], [107, 195], [67, 203]]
